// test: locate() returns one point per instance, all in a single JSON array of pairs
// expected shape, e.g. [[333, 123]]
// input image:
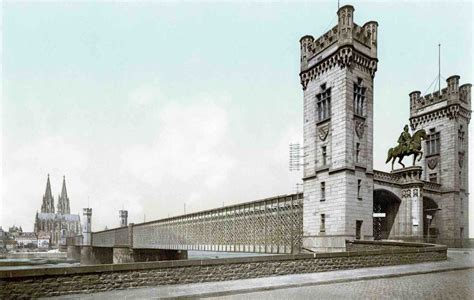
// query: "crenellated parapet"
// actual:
[[345, 45], [453, 101]]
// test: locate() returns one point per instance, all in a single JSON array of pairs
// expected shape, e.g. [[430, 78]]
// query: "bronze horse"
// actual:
[[414, 149]]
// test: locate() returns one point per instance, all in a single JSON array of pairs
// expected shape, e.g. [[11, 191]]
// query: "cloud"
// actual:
[[195, 151], [189, 154], [24, 175]]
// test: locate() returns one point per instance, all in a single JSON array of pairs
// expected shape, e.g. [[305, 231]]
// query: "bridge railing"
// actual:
[[385, 176], [273, 225], [432, 186], [394, 179], [111, 238]]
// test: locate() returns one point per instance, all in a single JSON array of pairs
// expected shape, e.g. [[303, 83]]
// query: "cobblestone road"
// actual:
[[445, 285]]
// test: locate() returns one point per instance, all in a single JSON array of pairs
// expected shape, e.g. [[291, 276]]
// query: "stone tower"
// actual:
[[123, 214], [337, 72], [63, 200], [48, 201], [445, 116], [87, 227]]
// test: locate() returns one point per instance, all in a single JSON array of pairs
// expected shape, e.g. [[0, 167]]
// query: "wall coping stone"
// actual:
[[392, 243], [97, 269]]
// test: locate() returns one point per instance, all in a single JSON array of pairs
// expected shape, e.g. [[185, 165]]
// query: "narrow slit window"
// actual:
[[324, 154], [359, 188], [323, 191], [322, 227], [357, 152]]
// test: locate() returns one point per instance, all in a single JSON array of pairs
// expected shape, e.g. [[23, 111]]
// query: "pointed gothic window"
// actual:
[[359, 97], [432, 143], [323, 102]]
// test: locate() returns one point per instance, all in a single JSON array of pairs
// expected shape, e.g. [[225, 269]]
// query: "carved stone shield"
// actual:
[[432, 162], [461, 159], [359, 128], [323, 132]]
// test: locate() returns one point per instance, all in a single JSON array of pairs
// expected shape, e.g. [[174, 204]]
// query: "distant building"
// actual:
[[10, 244], [27, 240], [3, 238], [15, 231], [43, 241], [56, 225]]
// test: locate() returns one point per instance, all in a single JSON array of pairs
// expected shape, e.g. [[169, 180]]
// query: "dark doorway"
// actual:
[[386, 206], [430, 230]]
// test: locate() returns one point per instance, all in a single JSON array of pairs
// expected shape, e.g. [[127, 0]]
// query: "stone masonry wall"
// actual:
[[90, 279]]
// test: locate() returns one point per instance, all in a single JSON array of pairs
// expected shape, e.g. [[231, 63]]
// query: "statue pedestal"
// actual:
[[410, 212], [408, 175]]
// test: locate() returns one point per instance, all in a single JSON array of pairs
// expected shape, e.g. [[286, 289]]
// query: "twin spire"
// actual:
[[48, 200]]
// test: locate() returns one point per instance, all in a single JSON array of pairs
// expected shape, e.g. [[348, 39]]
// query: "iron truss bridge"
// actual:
[[272, 225]]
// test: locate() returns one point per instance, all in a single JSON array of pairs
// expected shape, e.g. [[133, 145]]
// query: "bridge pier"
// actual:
[[120, 255], [74, 252], [96, 255], [126, 255]]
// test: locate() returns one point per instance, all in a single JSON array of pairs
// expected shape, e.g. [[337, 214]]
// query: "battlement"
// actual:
[[452, 93], [346, 32]]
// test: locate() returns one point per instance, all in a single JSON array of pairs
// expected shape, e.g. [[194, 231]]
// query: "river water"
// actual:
[[51, 262]]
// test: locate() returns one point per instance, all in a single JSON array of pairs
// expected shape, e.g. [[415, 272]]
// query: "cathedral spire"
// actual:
[[48, 200], [63, 190], [63, 204]]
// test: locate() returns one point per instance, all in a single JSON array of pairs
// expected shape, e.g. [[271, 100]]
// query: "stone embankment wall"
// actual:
[[387, 245], [90, 279]]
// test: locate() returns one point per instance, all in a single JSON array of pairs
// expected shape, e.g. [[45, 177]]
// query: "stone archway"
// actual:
[[386, 206], [430, 207]]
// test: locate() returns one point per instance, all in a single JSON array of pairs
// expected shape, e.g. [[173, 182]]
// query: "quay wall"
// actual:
[[96, 278]]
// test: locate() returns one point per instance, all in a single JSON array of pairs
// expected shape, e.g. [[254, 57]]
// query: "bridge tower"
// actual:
[[123, 214], [86, 227], [445, 116], [337, 72]]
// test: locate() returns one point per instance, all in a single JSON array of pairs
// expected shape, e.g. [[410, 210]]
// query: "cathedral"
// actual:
[[60, 224]]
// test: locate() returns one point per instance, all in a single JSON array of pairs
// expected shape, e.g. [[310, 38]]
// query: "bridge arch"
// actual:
[[387, 203]]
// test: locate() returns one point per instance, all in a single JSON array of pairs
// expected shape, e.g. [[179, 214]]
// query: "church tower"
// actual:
[[445, 116], [63, 200], [48, 201], [337, 72]]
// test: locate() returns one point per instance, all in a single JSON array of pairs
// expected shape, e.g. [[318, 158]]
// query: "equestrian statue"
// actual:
[[407, 145]]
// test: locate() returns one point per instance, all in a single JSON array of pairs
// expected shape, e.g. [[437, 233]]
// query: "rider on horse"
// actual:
[[404, 140]]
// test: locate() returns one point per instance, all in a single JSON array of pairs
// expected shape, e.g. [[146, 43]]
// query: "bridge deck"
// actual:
[[273, 225]]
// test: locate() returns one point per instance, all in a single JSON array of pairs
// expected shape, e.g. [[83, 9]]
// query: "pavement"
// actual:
[[457, 273]]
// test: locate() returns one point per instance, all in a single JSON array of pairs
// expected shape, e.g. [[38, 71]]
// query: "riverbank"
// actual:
[[16, 255]]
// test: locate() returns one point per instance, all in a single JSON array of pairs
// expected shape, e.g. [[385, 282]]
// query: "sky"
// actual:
[[156, 107]]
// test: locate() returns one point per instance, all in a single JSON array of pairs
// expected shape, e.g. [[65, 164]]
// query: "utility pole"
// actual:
[[439, 69]]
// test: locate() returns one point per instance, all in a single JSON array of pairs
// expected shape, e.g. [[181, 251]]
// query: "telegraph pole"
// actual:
[[439, 69]]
